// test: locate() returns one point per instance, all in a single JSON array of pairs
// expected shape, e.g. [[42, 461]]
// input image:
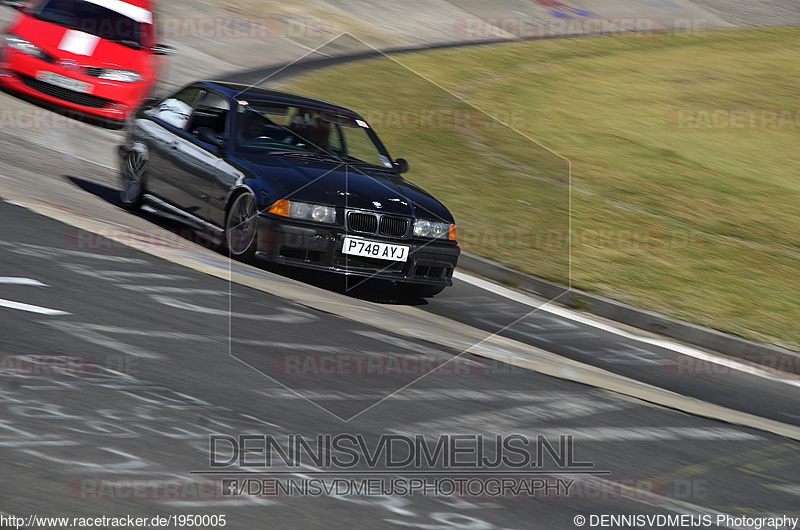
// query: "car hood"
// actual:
[[106, 54], [349, 186]]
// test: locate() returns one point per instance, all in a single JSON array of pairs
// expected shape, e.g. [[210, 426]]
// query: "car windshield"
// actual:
[[306, 132], [110, 23]]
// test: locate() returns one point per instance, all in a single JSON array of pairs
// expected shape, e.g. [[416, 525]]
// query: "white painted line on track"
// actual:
[[84, 332], [28, 249], [31, 308], [10, 280], [661, 343], [116, 275], [175, 290], [155, 334], [286, 315], [20, 281]]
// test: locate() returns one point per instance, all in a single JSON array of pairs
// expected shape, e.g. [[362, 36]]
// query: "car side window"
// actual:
[[176, 110], [211, 111]]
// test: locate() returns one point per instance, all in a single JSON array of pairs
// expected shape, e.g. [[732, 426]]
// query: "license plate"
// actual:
[[374, 249], [64, 82]]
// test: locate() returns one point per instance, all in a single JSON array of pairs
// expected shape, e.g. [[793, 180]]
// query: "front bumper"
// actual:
[[288, 243], [108, 99]]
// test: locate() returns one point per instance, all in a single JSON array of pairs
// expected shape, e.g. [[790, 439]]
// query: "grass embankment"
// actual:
[[684, 153]]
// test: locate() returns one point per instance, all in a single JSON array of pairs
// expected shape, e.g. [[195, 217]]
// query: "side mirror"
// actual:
[[208, 135], [401, 165], [149, 103], [158, 49]]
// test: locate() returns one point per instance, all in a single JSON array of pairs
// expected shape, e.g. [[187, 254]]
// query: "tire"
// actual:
[[241, 226], [132, 180]]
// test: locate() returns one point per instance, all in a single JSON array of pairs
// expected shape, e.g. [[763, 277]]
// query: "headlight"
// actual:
[[23, 46], [304, 211], [125, 76], [433, 229]]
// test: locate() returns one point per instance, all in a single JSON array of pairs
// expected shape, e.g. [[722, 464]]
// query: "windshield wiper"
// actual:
[[361, 163], [304, 154]]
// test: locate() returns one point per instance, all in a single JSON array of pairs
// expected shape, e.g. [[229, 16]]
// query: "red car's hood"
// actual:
[[49, 38]]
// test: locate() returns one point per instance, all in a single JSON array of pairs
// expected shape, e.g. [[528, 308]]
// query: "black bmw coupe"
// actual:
[[290, 179]]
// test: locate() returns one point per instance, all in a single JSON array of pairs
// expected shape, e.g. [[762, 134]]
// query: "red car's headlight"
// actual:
[[23, 46], [125, 76]]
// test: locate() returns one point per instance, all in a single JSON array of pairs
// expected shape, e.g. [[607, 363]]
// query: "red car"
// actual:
[[98, 57]]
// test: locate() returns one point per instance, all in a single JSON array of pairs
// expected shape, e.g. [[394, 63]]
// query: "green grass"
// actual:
[[700, 223]]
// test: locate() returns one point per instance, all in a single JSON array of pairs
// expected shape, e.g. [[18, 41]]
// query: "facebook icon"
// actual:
[[230, 486]]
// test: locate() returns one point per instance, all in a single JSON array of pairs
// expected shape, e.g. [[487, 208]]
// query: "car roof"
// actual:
[[119, 5], [242, 91], [144, 4], [139, 10]]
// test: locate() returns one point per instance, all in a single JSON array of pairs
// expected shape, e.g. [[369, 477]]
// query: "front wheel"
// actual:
[[132, 180], [241, 226]]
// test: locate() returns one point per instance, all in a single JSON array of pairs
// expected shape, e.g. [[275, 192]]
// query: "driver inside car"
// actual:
[[251, 126], [311, 130]]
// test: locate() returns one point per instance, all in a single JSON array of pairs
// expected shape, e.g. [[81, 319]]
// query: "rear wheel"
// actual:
[[241, 226], [132, 177]]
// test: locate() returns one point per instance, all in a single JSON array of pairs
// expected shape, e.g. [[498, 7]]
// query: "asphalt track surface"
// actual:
[[120, 366], [158, 367]]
